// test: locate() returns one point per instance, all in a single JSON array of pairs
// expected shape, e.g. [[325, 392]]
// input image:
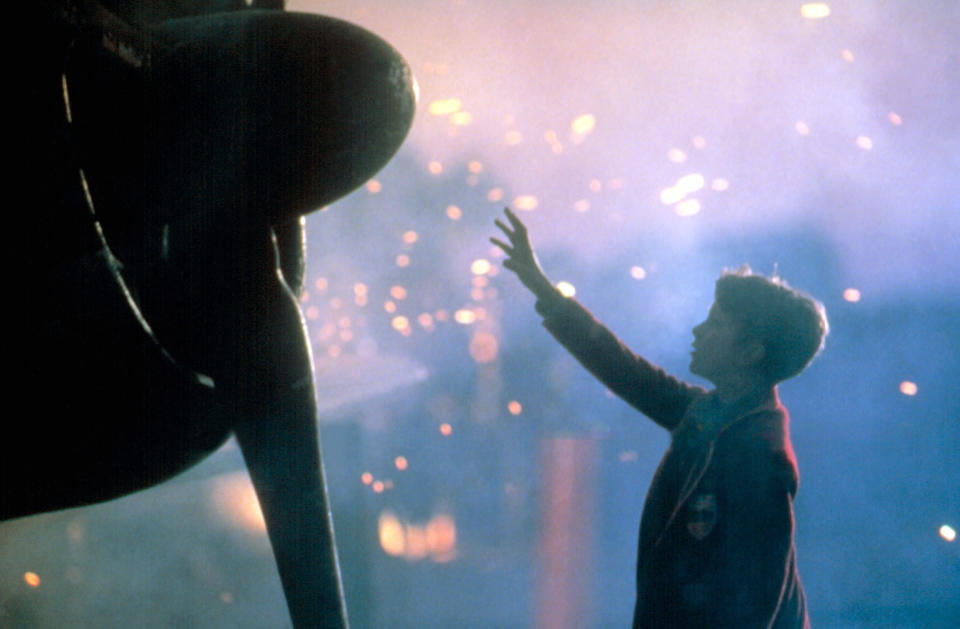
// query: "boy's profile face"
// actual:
[[718, 350]]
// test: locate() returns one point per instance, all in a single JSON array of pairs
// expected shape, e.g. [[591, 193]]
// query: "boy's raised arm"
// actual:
[[520, 257]]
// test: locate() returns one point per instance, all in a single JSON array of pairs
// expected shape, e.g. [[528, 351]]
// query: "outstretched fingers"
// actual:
[[507, 249]]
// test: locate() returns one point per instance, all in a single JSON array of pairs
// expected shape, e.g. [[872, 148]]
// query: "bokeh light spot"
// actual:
[[815, 10], [32, 579], [908, 388], [947, 533], [852, 295], [566, 289]]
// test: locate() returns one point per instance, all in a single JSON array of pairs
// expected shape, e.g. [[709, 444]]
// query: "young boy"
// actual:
[[716, 535]]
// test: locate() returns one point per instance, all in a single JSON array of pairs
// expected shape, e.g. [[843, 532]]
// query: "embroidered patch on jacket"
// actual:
[[703, 515]]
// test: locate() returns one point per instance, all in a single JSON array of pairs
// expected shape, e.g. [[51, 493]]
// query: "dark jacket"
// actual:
[[716, 536]]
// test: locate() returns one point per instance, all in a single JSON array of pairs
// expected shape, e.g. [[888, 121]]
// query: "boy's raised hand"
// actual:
[[520, 257]]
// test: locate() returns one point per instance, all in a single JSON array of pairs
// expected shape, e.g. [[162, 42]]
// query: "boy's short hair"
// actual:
[[790, 324]]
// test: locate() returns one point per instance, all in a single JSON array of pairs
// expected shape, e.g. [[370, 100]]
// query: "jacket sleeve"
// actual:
[[646, 387], [758, 577]]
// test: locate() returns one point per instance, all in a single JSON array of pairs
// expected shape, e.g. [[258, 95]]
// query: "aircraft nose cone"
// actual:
[[284, 111]]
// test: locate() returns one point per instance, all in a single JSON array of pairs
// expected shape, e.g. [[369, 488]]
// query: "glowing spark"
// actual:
[[410, 237], [425, 319], [445, 107], [440, 315], [461, 118], [446, 429], [720, 184], [802, 128], [676, 156], [400, 323], [947, 533], [400, 463], [815, 10], [847, 55], [484, 347], [687, 208], [525, 202], [398, 292], [894, 119], [475, 167], [392, 537], [690, 183], [480, 266], [390, 307], [638, 272], [513, 138], [454, 213], [495, 194], [566, 289], [464, 317], [321, 284], [671, 195], [908, 388], [377, 487], [514, 407], [581, 206], [374, 187], [441, 537], [864, 142], [333, 351], [403, 260], [312, 313], [584, 124], [359, 289], [32, 579], [699, 142], [595, 185], [435, 167], [366, 478], [852, 295]]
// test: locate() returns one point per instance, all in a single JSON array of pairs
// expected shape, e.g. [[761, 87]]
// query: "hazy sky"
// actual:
[[847, 125]]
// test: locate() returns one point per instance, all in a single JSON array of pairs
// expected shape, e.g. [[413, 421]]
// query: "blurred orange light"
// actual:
[[435, 167], [802, 128], [847, 55], [461, 118], [908, 388], [484, 347], [566, 289], [525, 202], [392, 537], [581, 206], [400, 462], [638, 272], [464, 316], [687, 208], [32, 579], [947, 533], [699, 142], [374, 186], [366, 478], [398, 292], [454, 213], [815, 10], [595, 185], [894, 119], [359, 289], [513, 138], [852, 295], [377, 487], [720, 184], [446, 429], [475, 167], [321, 284], [494, 194], [400, 323], [445, 107], [480, 266], [403, 260], [584, 124], [676, 156], [441, 534], [410, 237], [514, 407], [864, 142]]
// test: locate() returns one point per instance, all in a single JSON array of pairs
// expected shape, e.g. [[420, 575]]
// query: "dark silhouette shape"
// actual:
[[716, 544], [157, 256]]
